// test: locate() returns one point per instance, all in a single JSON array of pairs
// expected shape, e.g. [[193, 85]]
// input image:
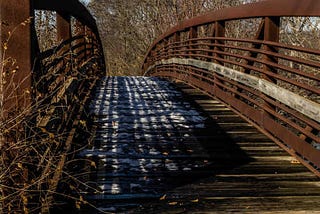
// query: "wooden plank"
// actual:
[[244, 171]]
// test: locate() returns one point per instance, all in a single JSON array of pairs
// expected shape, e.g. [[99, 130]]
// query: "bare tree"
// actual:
[[129, 27]]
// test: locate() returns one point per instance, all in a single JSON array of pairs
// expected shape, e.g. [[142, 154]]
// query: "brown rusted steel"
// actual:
[[256, 115], [75, 9], [271, 33], [268, 63], [193, 33], [270, 8], [63, 27], [262, 57], [16, 55], [61, 74], [16, 64], [219, 31], [71, 7]]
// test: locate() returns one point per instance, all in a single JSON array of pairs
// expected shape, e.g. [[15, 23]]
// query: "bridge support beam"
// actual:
[[16, 56]]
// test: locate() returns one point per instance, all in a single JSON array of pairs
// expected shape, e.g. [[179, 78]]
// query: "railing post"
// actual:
[[271, 34], [63, 27], [64, 33], [193, 34], [157, 52], [219, 31], [176, 40], [165, 48], [16, 56], [259, 36], [80, 32], [176, 53], [90, 39], [86, 40], [212, 42]]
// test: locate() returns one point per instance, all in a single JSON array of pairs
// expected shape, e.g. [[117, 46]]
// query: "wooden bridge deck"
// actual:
[[161, 151]]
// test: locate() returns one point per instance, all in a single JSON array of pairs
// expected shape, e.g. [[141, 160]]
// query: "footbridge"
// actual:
[[217, 122]]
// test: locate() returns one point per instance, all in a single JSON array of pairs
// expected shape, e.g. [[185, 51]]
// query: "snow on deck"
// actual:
[[144, 138]]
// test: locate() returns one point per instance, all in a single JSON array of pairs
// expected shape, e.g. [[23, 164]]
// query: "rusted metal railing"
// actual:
[[273, 85], [56, 74], [76, 64], [50, 88], [19, 43]]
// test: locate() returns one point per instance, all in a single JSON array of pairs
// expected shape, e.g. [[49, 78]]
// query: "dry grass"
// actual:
[[35, 140]]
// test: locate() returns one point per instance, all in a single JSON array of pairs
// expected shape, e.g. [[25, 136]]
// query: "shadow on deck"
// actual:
[[164, 148]]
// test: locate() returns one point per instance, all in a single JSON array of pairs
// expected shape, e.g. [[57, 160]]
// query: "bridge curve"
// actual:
[[259, 78]]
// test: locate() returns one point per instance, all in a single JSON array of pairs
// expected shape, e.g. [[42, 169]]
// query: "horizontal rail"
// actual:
[[71, 7], [296, 102], [270, 8], [273, 85], [46, 95]]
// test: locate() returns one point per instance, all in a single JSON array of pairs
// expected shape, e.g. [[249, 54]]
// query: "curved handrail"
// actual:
[[71, 7], [270, 8], [67, 74], [265, 81]]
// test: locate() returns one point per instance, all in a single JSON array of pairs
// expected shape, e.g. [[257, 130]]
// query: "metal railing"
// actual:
[[273, 85], [67, 73], [50, 89], [20, 44]]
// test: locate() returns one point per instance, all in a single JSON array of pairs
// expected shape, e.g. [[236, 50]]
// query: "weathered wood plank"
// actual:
[[240, 169]]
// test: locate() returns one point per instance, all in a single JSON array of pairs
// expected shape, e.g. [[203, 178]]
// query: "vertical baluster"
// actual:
[[64, 34], [176, 40], [80, 32], [63, 27], [176, 50], [212, 42], [271, 33], [193, 34], [219, 31], [86, 41]]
